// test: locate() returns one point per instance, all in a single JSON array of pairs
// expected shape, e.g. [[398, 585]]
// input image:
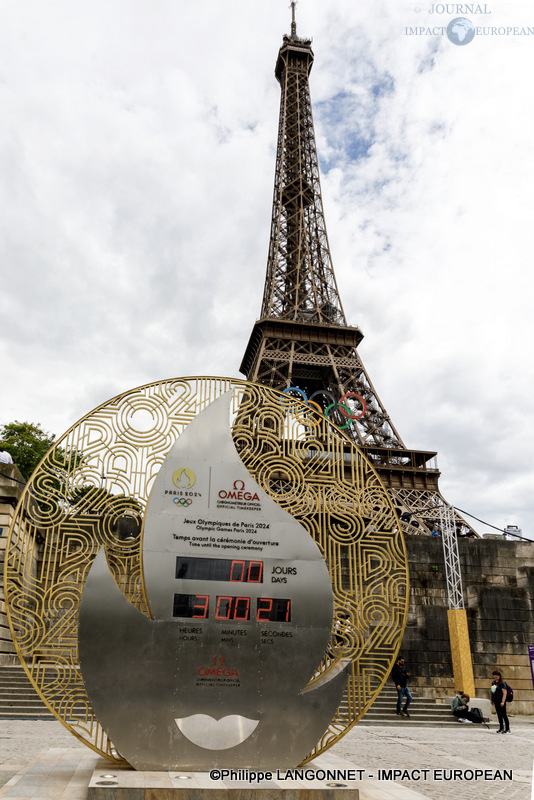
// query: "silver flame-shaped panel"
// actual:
[[242, 609]]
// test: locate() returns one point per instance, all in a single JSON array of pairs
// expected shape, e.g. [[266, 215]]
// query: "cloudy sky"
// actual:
[[137, 156]]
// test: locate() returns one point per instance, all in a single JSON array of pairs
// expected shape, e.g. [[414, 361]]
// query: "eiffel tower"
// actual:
[[302, 338]]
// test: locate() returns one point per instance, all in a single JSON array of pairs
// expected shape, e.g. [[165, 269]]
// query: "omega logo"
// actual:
[[218, 670], [238, 493]]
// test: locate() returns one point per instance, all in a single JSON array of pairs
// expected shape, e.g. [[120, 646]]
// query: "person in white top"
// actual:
[[5, 457]]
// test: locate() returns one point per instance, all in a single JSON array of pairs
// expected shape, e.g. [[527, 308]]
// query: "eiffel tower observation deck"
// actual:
[[302, 338]]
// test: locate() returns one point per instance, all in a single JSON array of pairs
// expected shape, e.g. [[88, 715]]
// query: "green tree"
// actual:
[[27, 444]]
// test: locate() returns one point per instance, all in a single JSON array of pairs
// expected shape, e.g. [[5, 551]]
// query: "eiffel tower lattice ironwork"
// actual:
[[302, 338]]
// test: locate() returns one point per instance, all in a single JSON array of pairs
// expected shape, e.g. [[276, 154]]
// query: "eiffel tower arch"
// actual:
[[302, 338]]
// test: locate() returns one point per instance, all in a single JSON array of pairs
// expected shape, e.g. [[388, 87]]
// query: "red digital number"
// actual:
[[272, 610], [203, 606], [288, 606], [241, 608], [226, 610], [237, 568], [265, 606], [255, 572]]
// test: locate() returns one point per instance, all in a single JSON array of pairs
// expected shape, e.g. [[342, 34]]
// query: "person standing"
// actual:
[[400, 676], [499, 691]]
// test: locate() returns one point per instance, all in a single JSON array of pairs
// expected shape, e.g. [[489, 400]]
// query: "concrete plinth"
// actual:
[[78, 774], [126, 784], [337, 785]]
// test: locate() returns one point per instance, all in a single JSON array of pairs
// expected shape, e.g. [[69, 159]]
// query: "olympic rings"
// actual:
[[341, 427], [343, 408], [353, 394], [295, 389], [182, 501], [310, 422]]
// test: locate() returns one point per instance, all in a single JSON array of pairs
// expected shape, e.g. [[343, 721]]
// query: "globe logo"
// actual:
[[460, 31]]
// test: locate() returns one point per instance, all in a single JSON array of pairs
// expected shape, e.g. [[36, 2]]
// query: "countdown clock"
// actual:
[[267, 585]]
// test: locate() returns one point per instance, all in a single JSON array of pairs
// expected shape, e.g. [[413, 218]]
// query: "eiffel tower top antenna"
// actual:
[[293, 21]]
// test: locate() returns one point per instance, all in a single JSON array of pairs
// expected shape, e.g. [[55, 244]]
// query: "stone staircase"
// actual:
[[423, 712], [18, 698]]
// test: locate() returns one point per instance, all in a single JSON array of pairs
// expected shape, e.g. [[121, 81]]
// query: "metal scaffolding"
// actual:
[[452, 557]]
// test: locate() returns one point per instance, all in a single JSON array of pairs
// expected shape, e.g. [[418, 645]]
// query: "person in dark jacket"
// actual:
[[499, 692], [400, 676]]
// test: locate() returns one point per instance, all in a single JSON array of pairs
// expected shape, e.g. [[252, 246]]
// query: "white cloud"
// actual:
[[137, 155]]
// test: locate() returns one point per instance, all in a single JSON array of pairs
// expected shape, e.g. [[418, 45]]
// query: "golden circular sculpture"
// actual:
[[92, 488]]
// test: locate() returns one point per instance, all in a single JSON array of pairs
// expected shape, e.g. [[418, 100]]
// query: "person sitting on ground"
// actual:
[[460, 708]]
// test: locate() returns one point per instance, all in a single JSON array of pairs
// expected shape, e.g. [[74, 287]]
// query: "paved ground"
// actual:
[[464, 748]]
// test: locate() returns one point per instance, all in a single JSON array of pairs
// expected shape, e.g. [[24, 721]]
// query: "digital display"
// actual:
[[235, 608], [273, 609], [197, 606], [191, 606], [219, 569]]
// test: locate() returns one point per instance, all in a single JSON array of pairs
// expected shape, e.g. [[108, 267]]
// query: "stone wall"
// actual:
[[498, 584]]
